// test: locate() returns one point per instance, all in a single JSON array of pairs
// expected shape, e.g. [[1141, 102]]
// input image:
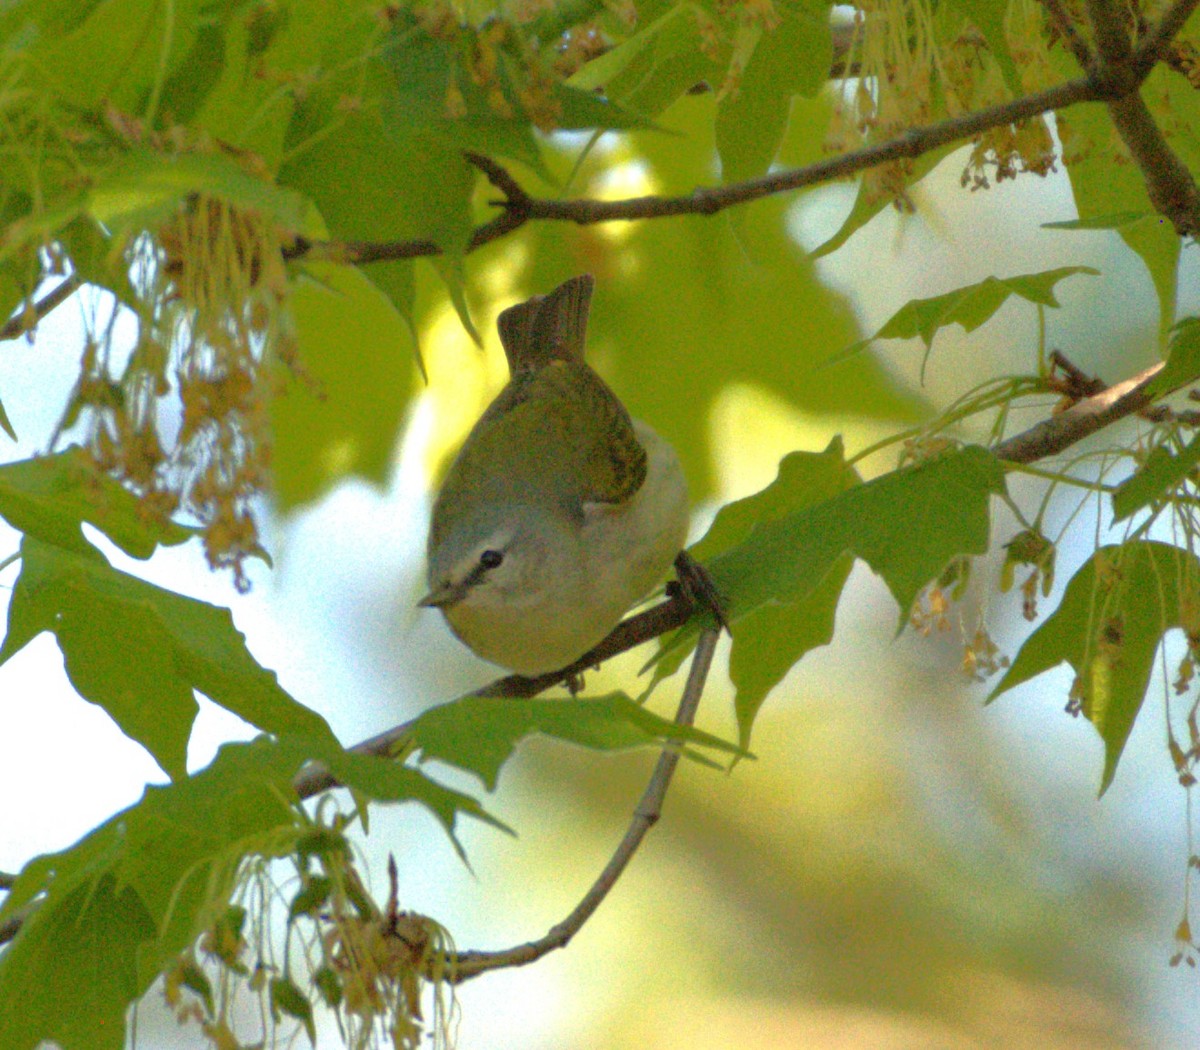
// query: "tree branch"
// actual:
[[1169, 184], [628, 634], [58, 295], [1064, 25], [1059, 432], [465, 965], [1113, 78], [1154, 44], [1047, 438], [520, 208]]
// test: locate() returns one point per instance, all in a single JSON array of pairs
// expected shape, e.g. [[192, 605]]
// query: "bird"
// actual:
[[560, 511]]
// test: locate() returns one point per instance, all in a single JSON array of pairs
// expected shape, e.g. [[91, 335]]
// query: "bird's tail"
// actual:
[[547, 328]]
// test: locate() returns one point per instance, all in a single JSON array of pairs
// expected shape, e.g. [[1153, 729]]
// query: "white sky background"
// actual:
[[336, 621]]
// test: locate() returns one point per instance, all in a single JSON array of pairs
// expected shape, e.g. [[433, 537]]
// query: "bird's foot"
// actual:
[[696, 586]]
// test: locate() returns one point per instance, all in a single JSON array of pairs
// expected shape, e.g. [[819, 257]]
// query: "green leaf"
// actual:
[[1112, 616], [786, 556], [201, 69], [386, 780], [907, 525], [804, 479], [49, 497], [286, 998], [145, 186], [341, 416], [1099, 222], [73, 969], [140, 651], [134, 893], [1162, 472], [126, 900], [970, 306], [479, 733], [713, 314], [373, 166], [1107, 183], [1183, 359], [791, 59], [773, 638], [118, 54]]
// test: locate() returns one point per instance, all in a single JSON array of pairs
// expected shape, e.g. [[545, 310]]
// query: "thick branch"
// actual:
[[1169, 185], [466, 965]]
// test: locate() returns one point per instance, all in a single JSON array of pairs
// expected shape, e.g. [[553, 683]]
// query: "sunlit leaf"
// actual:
[[773, 638], [792, 58], [655, 66], [1107, 183], [146, 185], [907, 526], [141, 652], [869, 202], [1098, 222], [989, 16], [711, 314], [1112, 617], [117, 52], [970, 306]]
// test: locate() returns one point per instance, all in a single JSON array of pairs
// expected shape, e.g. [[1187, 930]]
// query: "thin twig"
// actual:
[[1154, 44], [1115, 79], [1059, 432], [19, 324], [465, 965], [521, 208], [628, 634], [1065, 26]]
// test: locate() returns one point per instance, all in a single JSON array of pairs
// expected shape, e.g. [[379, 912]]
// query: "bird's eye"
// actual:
[[491, 559]]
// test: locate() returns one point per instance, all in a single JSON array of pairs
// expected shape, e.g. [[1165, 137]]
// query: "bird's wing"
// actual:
[[568, 435]]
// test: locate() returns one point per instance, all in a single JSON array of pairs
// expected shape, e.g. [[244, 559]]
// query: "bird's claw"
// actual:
[[696, 586]]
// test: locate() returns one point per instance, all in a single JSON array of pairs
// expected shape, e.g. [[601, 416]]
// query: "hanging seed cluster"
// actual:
[[914, 62], [181, 420]]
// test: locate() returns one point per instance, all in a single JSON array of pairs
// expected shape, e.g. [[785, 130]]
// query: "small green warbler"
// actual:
[[559, 512]]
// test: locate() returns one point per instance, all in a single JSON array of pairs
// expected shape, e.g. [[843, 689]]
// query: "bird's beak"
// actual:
[[442, 595]]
